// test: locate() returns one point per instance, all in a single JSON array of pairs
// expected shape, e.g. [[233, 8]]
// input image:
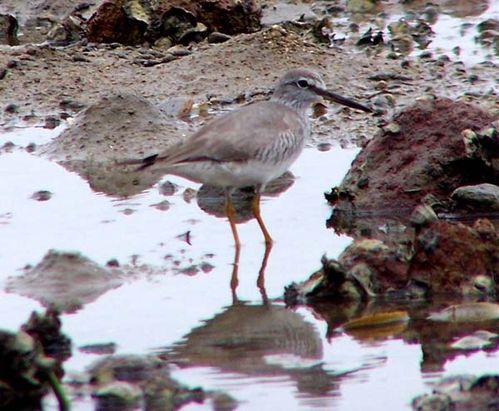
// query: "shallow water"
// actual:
[[288, 360]]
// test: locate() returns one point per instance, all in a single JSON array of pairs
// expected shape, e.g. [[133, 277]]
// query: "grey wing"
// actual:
[[254, 131]]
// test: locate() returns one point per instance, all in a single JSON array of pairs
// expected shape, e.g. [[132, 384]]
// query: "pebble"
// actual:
[[217, 37], [41, 195], [485, 194]]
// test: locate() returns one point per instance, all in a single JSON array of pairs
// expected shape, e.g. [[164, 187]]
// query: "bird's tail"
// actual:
[[142, 162]]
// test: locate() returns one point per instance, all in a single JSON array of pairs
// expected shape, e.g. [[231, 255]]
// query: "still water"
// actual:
[[264, 355]]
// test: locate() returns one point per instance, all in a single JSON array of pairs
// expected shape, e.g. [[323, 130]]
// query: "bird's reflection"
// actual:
[[258, 341]]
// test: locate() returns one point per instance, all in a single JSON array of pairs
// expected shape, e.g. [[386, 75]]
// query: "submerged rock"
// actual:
[[64, 280], [461, 393], [122, 380]]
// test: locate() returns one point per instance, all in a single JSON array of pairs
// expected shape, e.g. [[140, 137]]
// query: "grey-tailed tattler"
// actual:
[[252, 145]]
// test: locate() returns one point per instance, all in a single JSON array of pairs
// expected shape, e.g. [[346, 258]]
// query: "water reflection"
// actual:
[[265, 340], [435, 338]]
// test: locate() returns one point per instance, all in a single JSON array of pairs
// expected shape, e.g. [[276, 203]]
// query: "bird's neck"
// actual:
[[301, 107]]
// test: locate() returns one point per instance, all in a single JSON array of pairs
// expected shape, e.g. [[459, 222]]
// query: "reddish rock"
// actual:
[[132, 22], [445, 258], [110, 24], [456, 259], [425, 154]]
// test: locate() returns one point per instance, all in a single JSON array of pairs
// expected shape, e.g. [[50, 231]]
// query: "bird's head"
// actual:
[[302, 89]]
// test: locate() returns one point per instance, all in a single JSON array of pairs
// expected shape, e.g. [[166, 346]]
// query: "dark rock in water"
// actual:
[[42, 195], [461, 393], [441, 258], [29, 364], [426, 156], [66, 281], [123, 379], [183, 21], [481, 196], [46, 329]]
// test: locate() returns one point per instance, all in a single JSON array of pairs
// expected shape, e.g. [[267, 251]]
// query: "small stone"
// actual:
[[217, 37], [163, 42], [405, 63], [162, 205], [11, 108], [423, 215], [12, 64], [189, 194], [484, 195], [51, 122], [324, 146], [426, 55], [79, 57], [42, 195], [168, 188], [113, 263], [30, 148], [3, 73], [179, 51], [117, 395], [392, 128]]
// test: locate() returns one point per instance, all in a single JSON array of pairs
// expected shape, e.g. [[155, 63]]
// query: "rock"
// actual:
[[8, 30], [110, 24], [426, 155], [460, 393], [134, 22], [454, 259], [488, 34], [64, 280], [217, 37], [117, 395], [467, 312], [423, 215], [121, 379], [42, 195], [118, 127], [28, 369], [481, 196], [440, 259]]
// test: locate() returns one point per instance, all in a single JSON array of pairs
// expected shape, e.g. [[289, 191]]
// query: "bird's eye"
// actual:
[[302, 83]]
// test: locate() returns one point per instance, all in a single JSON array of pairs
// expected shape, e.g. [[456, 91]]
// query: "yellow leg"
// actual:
[[230, 213], [255, 208]]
